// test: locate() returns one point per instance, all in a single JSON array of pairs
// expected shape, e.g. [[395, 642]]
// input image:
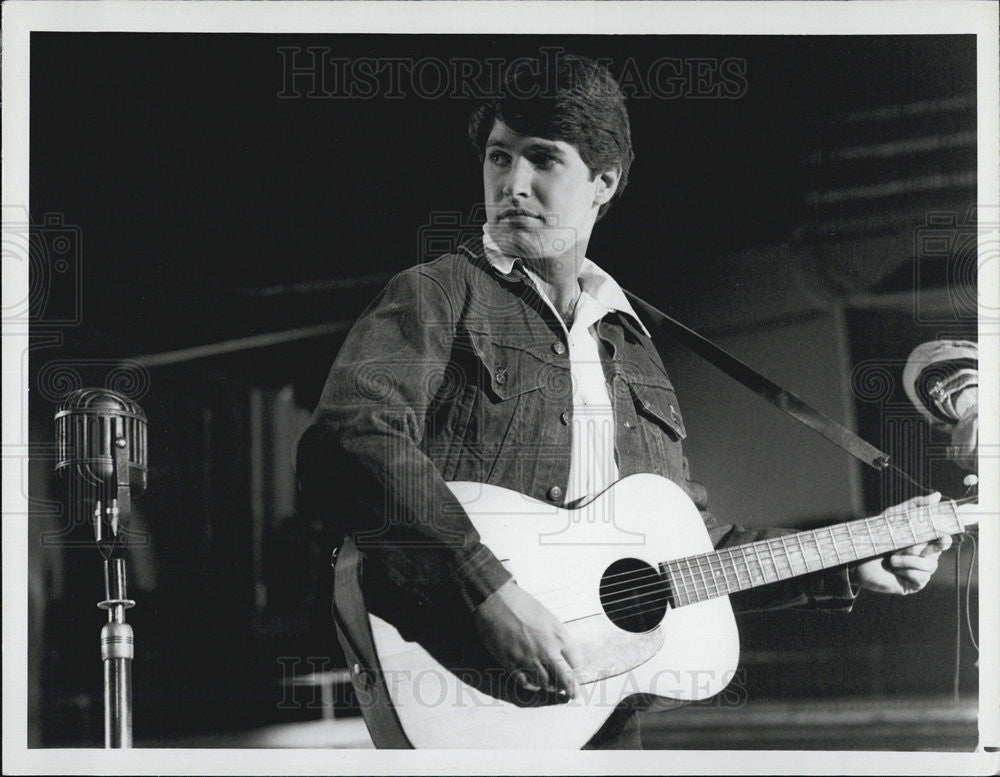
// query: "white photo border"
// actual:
[[457, 16]]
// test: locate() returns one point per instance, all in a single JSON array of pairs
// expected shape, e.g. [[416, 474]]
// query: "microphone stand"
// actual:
[[101, 444], [117, 650], [117, 645]]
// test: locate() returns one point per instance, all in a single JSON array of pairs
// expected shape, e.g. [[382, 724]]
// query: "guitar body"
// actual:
[[636, 648]]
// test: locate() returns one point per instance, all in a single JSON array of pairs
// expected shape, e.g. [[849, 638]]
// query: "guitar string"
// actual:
[[658, 605], [710, 586], [927, 510], [889, 465], [836, 534], [701, 590], [704, 563], [640, 606]]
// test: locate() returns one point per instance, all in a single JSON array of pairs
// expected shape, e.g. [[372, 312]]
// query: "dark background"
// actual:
[[202, 209]]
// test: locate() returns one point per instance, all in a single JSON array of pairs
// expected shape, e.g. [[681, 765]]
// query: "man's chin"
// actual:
[[515, 240], [529, 243]]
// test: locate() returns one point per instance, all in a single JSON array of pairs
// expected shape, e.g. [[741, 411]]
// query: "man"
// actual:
[[519, 362]]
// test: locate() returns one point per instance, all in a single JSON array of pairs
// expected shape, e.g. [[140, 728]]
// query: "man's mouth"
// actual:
[[517, 214]]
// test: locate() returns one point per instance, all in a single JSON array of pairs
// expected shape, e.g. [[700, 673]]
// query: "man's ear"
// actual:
[[607, 185]]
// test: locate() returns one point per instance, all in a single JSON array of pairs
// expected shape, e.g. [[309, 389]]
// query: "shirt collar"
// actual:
[[593, 280]]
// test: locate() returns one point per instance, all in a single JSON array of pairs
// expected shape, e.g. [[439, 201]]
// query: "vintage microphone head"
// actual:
[[101, 456], [89, 422]]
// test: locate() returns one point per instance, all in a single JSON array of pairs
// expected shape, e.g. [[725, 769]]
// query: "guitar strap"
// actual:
[[782, 399], [354, 633]]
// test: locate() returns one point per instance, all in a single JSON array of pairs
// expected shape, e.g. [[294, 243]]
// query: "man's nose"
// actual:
[[517, 183]]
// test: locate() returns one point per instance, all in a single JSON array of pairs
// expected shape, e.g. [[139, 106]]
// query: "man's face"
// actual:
[[541, 200]]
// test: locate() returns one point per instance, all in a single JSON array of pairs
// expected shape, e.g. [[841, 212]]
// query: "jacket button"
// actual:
[[628, 425], [501, 377], [555, 494], [558, 347], [565, 417]]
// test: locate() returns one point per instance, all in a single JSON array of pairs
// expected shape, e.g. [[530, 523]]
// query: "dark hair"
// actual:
[[569, 98]]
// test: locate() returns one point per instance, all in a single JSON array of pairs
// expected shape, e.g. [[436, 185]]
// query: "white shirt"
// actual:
[[592, 456]]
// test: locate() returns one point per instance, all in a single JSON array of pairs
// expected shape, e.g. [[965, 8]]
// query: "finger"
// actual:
[[904, 562], [540, 675], [921, 501], [522, 679], [933, 548], [560, 671], [942, 543], [911, 583]]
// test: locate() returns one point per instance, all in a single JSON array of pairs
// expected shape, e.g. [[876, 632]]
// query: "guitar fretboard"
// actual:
[[697, 578]]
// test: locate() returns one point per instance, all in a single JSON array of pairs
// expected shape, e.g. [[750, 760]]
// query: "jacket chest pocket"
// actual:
[[513, 389], [657, 403], [653, 429], [505, 371]]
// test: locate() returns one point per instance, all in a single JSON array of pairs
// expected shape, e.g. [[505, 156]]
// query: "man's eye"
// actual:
[[543, 161], [497, 158]]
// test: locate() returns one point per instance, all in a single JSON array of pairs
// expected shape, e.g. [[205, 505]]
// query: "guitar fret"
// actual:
[[833, 541], [763, 575], [909, 524], [959, 526], [850, 538], [746, 562], [684, 590], [715, 577], [788, 555], [802, 550], [689, 589], [727, 570], [782, 556], [678, 585], [760, 567], [932, 525], [695, 581], [770, 554], [689, 584], [784, 545], [708, 579], [892, 537], [736, 573], [871, 537], [735, 566]]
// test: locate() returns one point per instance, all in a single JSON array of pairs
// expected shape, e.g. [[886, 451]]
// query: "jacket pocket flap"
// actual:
[[512, 371], [660, 402]]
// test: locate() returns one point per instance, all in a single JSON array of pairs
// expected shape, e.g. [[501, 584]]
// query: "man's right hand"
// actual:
[[528, 641]]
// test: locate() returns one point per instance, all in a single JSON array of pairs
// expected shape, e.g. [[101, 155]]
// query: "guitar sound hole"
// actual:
[[634, 595]]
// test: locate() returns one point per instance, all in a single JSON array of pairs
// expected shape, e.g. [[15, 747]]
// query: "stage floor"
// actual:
[[900, 724]]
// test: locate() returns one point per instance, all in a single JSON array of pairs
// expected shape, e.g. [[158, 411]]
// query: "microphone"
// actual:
[[101, 451]]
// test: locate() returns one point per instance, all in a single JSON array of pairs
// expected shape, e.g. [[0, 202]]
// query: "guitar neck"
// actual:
[[697, 578]]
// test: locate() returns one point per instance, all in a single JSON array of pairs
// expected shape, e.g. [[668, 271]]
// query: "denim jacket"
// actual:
[[459, 372]]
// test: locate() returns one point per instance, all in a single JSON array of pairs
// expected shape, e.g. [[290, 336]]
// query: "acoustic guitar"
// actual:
[[633, 576]]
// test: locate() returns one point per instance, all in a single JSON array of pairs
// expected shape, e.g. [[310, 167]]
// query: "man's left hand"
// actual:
[[906, 571]]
